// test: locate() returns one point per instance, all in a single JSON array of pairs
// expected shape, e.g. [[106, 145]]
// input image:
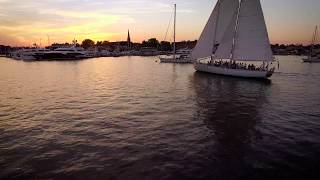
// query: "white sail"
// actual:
[[213, 32], [244, 37], [225, 48], [251, 40]]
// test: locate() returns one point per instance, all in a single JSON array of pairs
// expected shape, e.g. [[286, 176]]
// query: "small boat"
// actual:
[[314, 55], [235, 34], [175, 57], [148, 51], [16, 55], [181, 56]]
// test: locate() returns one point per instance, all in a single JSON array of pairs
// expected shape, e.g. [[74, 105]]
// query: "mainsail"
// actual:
[[226, 45], [215, 28], [246, 38], [251, 40]]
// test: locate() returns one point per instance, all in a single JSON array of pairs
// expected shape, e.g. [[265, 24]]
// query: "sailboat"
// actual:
[[235, 34], [176, 57], [314, 55]]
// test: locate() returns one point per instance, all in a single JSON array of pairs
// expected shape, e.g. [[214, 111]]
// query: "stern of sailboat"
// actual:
[[270, 72]]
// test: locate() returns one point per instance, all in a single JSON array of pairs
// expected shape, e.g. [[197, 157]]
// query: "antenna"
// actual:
[[174, 32], [313, 41], [48, 40]]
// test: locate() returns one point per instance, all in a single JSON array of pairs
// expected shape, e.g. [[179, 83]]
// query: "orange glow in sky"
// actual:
[[25, 22]]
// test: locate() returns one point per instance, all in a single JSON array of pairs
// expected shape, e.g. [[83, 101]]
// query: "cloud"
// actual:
[[30, 20], [33, 19]]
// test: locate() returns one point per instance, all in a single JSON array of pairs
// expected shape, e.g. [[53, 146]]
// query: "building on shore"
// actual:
[[129, 44]]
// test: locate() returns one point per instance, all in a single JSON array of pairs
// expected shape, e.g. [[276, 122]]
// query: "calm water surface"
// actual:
[[133, 118]]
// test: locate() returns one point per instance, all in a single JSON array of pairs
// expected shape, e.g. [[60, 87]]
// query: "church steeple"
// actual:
[[128, 40]]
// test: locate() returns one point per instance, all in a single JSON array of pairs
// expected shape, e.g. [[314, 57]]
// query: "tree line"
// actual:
[[152, 43]]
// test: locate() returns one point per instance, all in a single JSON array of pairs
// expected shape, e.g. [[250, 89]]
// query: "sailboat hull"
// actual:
[[232, 72], [172, 60], [311, 60]]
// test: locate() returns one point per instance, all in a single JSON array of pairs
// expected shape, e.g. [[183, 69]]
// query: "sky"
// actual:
[[24, 22]]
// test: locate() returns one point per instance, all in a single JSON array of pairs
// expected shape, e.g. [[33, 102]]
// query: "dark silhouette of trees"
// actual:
[[87, 43], [165, 46], [282, 46], [105, 43], [4, 49], [153, 42], [99, 43]]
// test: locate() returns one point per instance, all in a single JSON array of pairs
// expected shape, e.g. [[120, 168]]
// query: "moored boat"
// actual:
[[64, 53], [175, 57], [314, 55], [27, 54]]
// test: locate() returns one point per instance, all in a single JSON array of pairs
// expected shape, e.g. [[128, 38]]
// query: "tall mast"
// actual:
[[313, 41], [235, 31], [48, 40], [216, 27], [174, 31]]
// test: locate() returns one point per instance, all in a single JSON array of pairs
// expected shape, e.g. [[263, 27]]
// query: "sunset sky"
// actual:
[[24, 22]]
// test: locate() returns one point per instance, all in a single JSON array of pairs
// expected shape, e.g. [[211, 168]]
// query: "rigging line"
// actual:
[[168, 26], [216, 28], [316, 35], [236, 28], [313, 41]]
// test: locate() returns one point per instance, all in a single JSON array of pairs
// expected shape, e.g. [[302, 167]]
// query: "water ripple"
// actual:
[[131, 118]]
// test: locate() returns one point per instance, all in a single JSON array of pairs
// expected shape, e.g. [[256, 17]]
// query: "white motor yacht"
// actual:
[[64, 53]]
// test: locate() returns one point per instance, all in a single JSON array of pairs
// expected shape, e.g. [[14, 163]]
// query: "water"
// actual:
[[132, 118]]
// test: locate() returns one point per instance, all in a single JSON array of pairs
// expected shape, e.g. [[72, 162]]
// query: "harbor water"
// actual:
[[133, 118]]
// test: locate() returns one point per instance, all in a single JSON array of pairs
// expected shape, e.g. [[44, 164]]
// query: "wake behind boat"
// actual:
[[312, 60], [234, 34]]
